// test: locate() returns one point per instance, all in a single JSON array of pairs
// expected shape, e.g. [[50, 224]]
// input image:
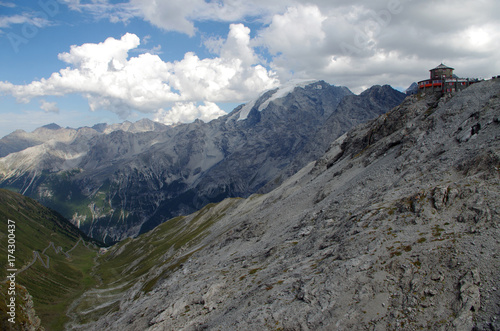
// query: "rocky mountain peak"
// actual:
[[100, 127], [279, 94], [51, 126], [127, 178]]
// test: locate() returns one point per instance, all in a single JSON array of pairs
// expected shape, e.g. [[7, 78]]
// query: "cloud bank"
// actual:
[[110, 79], [356, 44]]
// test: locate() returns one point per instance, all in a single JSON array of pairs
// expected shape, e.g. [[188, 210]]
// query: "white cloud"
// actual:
[[180, 15], [298, 30], [304, 37], [49, 107], [110, 79], [237, 45], [98, 57], [296, 39], [395, 42], [7, 4], [233, 76], [357, 44], [184, 112], [169, 15], [26, 18], [146, 39], [102, 9]]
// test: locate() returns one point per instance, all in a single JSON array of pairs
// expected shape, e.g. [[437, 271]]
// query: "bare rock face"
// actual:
[[470, 300], [26, 317], [395, 227], [116, 181]]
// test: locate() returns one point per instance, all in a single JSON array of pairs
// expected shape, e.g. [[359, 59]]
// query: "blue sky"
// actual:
[[78, 63]]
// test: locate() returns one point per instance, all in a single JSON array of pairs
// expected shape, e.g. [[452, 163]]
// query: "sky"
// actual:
[[81, 62]]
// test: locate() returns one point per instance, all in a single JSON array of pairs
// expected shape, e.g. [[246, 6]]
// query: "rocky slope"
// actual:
[[395, 227], [117, 181]]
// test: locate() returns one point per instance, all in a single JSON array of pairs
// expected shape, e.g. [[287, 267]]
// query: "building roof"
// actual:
[[442, 66]]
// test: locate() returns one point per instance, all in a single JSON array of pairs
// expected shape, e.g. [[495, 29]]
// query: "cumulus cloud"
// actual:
[[169, 15], [181, 15], [357, 44], [362, 43], [49, 107], [297, 30], [184, 112], [295, 39], [342, 41], [111, 80]]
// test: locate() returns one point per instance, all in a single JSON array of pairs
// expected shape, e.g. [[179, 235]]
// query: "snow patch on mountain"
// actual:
[[286, 89], [246, 110], [279, 93]]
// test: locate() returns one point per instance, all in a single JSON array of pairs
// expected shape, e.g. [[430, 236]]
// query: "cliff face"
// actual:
[[118, 181], [395, 227]]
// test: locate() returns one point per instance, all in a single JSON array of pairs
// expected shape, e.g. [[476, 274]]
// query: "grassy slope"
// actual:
[[73, 283], [149, 257], [53, 288]]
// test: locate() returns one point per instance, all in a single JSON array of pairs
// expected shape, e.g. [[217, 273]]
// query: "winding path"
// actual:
[[46, 264]]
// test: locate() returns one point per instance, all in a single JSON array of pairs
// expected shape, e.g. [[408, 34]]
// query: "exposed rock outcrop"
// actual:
[[25, 318]]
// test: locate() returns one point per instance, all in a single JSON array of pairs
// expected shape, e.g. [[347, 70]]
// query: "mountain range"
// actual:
[[117, 181], [395, 227]]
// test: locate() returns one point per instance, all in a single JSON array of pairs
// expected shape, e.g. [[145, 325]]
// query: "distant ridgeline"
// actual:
[[117, 181]]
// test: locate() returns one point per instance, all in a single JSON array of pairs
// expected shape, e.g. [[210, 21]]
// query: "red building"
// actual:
[[443, 80]]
